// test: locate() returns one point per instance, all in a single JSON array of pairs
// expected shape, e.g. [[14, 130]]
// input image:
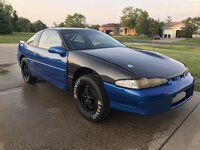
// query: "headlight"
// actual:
[[141, 83], [186, 72]]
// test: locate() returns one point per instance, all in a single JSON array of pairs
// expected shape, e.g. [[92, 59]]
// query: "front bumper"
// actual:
[[150, 101]]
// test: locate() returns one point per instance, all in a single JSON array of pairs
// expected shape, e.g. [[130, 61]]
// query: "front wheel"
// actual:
[[26, 74], [90, 98]]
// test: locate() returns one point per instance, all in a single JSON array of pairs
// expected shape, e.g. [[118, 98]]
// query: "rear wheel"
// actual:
[[90, 98], [26, 74]]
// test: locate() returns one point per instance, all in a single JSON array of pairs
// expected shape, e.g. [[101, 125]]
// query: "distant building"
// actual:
[[172, 29], [127, 31], [116, 29], [110, 28]]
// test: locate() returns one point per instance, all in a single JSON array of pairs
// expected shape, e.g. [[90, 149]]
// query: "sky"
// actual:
[[103, 11]]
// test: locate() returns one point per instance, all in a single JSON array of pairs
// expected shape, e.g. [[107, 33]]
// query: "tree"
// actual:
[[160, 30], [191, 27], [94, 26], [140, 20], [129, 17], [62, 24], [169, 19], [142, 23], [76, 20], [154, 27], [9, 21], [37, 26], [14, 21], [5, 18], [24, 25]]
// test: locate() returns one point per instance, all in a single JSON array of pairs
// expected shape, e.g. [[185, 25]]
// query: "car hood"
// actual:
[[141, 63]]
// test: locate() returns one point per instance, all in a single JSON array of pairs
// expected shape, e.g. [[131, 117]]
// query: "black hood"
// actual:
[[141, 63]]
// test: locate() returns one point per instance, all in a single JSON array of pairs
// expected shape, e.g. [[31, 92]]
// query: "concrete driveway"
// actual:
[[8, 53], [42, 117]]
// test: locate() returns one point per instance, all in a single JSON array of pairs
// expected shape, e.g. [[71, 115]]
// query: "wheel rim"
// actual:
[[25, 71], [88, 99]]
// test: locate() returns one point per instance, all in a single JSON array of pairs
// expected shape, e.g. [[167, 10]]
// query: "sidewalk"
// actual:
[[187, 137]]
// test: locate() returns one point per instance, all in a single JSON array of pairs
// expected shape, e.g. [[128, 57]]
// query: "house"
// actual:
[[127, 31], [111, 28], [116, 29], [172, 29]]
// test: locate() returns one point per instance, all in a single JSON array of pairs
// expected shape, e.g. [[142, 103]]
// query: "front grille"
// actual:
[[179, 77]]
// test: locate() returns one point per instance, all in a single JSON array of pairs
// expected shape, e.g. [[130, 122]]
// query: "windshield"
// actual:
[[88, 39]]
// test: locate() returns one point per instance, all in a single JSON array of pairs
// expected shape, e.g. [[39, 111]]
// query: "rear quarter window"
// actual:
[[33, 41]]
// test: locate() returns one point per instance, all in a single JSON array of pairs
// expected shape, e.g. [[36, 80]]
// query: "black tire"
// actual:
[[91, 98], [26, 74]]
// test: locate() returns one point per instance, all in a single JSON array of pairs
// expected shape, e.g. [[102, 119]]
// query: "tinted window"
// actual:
[[49, 38], [89, 39], [76, 41]]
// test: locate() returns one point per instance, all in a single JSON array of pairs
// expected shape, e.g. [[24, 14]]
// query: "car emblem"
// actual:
[[130, 66]]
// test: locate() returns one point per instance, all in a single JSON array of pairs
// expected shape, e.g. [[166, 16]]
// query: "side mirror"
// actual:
[[58, 50]]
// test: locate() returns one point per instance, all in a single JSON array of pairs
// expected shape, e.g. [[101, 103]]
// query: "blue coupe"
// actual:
[[103, 73]]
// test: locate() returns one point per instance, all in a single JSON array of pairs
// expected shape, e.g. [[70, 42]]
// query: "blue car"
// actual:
[[103, 73]]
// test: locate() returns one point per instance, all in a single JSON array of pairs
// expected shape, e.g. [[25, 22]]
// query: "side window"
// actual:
[[33, 41], [49, 39], [37, 36]]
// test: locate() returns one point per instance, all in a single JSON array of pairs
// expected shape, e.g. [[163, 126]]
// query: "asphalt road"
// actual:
[[42, 117]]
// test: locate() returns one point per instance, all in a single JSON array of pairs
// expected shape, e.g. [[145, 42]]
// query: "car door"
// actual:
[[50, 66], [30, 46]]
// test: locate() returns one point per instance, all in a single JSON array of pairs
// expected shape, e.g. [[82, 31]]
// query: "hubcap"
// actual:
[[88, 99]]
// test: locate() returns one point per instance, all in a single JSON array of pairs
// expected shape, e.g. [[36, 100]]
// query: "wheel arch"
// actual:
[[83, 71], [20, 58]]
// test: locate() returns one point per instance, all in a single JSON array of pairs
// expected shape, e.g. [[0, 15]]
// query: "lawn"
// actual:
[[15, 37], [190, 41], [190, 55], [131, 38]]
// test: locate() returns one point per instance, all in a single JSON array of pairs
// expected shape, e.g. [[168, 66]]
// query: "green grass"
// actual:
[[131, 38], [190, 41], [190, 55], [15, 37]]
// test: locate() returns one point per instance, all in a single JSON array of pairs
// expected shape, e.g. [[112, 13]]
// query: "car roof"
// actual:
[[65, 29]]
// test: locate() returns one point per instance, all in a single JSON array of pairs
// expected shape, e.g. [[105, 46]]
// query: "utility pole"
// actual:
[[153, 43]]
